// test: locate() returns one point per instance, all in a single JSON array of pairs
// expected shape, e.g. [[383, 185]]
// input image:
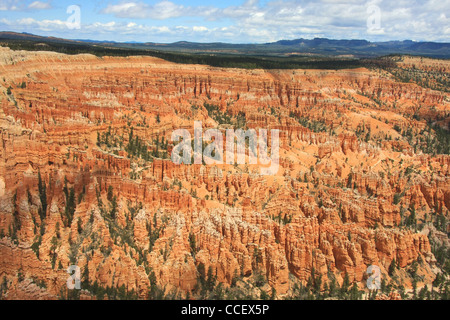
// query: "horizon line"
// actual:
[[221, 42]]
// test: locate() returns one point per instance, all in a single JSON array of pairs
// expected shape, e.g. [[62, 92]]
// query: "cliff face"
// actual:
[[86, 179]]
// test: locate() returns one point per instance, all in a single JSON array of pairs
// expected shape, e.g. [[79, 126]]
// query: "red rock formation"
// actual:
[[337, 205]]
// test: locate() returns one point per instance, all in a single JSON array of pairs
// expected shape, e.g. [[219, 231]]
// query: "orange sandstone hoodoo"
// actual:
[[86, 179]]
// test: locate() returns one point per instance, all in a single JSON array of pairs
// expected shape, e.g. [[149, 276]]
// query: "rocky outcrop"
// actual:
[[90, 130]]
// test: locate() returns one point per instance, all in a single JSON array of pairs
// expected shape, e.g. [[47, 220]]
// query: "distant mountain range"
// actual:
[[316, 47]]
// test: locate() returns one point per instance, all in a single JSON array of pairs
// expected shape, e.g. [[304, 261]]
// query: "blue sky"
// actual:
[[236, 21]]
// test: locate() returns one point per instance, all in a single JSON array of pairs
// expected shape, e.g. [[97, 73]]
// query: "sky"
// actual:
[[232, 21]]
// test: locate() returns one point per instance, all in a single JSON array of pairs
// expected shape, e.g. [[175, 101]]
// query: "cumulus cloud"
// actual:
[[39, 5], [139, 10], [421, 20], [277, 19], [20, 5], [9, 5], [257, 21], [42, 25], [121, 31]]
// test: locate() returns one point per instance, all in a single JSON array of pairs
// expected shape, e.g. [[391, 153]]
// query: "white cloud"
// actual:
[[21, 5], [39, 5], [160, 11], [107, 29], [199, 29], [255, 21], [340, 19], [9, 5]]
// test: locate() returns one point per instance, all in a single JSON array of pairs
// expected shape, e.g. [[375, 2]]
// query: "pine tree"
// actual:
[[354, 292], [392, 267], [113, 211], [42, 196], [70, 202], [85, 278], [345, 285], [349, 180], [211, 280], [192, 244], [110, 194]]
